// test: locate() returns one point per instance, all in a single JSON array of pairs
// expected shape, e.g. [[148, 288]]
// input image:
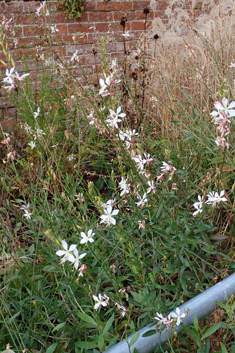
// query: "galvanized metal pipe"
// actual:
[[203, 304]]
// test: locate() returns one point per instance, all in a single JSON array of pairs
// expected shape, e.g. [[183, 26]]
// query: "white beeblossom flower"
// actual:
[[32, 144], [75, 56], [66, 253], [163, 320], [126, 34], [151, 187], [104, 84], [115, 117], [232, 65], [124, 186], [198, 205], [224, 107], [177, 316], [87, 238], [54, 29], [140, 161], [36, 114], [142, 201], [77, 258], [101, 301], [214, 197], [107, 216]]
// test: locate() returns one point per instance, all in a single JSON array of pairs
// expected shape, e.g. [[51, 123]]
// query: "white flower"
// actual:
[[122, 308], [124, 186], [54, 29], [198, 205], [107, 216], [142, 201], [27, 214], [151, 187], [126, 34], [214, 197], [114, 64], [75, 56], [165, 167], [224, 107], [70, 157], [20, 78], [66, 252], [140, 161], [88, 237], [101, 301], [32, 144], [232, 65], [163, 320], [9, 76], [77, 258], [177, 316], [104, 84], [114, 117], [36, 114], [221, 142], [148, 158]]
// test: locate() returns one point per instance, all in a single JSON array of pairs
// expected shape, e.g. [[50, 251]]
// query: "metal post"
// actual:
[[203, 304]]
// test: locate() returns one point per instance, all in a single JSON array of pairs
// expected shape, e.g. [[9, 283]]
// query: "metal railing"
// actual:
[[202, 305]]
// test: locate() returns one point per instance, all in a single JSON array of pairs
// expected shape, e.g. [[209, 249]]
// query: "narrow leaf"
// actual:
[[149, 333], [58, 327], [134, 339], [87, 319], [211, 330], [108, 324], [52, 348]]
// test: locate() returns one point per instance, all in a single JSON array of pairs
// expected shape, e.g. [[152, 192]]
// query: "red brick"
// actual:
[[12, 7], [60, 17], [79, 27], [162, 5], [34, 30], [140, 5], [141, 16], [68, 39], [126, 6], [81, 49], [31, 6], [130, 15], [109, 6], [89, 6], [99, 16], [24, 19], [139, 26]]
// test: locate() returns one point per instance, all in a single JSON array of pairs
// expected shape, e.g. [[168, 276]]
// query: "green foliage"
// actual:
[[73, 8], [155, 256]]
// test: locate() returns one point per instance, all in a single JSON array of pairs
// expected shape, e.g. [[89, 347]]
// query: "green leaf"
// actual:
[[211, 330], [223, 348], [87, 319], [149, 333], [100, 342], [108, 324], [14, 316], [52, 348], [134, 339], [135, 350], [194, 334], [86, 345], [58, 327], [195, 322], [159, 210]]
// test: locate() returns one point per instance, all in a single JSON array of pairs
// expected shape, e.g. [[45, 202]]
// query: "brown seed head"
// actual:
[[123, 21]]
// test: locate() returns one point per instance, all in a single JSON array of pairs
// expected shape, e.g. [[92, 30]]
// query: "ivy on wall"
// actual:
[[73, 8]]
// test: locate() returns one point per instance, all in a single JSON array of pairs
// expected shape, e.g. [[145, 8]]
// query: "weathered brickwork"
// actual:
[[103, 16]]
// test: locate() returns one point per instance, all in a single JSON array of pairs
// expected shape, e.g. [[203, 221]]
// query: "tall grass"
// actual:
[[128, 158]]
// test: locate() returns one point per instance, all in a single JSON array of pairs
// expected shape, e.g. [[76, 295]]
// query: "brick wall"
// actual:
[[103, 16]]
